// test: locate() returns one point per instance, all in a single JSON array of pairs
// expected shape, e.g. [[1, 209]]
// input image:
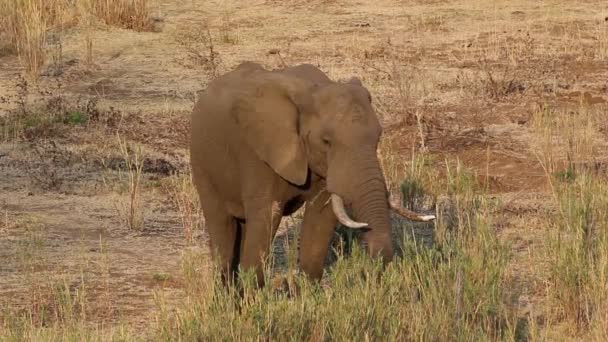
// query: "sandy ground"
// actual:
[[466, 76]]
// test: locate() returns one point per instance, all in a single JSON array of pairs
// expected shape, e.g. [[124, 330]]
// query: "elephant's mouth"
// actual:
[[337, 205]]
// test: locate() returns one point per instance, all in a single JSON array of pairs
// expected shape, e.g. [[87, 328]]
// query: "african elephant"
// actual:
[[264, 143]]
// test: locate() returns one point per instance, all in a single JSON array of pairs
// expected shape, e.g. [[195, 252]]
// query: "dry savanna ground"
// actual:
[[494, 116]]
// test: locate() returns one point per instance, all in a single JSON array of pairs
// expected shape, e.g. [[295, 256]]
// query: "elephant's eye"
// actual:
[[326, 142]]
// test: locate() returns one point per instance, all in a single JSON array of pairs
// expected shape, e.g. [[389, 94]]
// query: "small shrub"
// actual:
[[568, 175], [158, 276], [76, 118]]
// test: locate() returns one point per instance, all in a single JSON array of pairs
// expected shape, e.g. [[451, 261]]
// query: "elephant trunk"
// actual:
[[361, 183], [370, 205]]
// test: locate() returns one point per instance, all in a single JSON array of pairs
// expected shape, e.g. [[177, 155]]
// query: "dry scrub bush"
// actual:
[[199, 44]]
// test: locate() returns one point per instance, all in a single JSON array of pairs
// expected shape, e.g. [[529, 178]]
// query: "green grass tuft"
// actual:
[[75, 118]]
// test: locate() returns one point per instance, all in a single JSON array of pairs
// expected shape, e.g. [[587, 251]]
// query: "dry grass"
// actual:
[[411, 301], [130, 14], [131, 209], [578, 249], [469, 93], [58, 304], [577, 234], [25, 24], [568, 142], [183, 194]]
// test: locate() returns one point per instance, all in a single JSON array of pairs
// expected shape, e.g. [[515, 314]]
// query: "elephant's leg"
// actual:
[[223, 232], [315, 235], [262, 224], [223, 236]]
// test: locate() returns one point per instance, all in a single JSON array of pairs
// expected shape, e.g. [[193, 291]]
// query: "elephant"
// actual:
[[265, 143]]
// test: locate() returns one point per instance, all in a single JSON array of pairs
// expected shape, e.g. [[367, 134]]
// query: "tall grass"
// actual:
[[130, 14], [452, 290], [131, 209], [578, 251], [182, 194], [25, 24], [577, 232]]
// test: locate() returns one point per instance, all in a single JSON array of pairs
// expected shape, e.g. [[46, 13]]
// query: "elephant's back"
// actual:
[[217, 99], [307, 72]]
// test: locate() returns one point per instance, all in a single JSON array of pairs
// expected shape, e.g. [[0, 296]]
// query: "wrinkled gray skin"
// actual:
[[264, 143]]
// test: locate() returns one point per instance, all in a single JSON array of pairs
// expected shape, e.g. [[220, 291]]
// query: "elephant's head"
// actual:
[[329, 129]]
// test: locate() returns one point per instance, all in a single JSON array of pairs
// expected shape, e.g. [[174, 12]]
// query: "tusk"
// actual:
[[410, 215], [338, 207]]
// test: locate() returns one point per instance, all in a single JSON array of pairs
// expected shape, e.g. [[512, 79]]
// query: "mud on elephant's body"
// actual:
[[264, 143]]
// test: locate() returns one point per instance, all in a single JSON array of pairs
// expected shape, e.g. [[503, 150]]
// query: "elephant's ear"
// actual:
[[267, 113]]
